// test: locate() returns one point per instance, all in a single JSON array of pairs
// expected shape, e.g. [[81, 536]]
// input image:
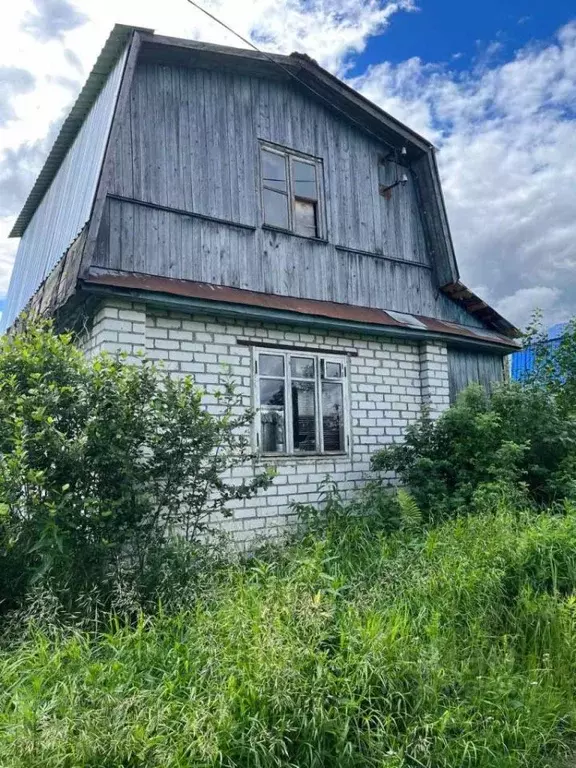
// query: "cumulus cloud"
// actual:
[[13, 81], [18, 169], [507, 139], [51, 19]]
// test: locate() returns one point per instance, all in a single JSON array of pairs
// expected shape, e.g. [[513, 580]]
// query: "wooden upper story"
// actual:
[[228, 167]]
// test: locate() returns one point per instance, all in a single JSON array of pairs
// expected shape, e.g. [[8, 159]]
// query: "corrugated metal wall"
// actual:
[[523, 361], [67, 204]]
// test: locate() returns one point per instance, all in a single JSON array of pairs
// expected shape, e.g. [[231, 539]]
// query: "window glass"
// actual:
[[304, 180], [272, 431], [300, 399], [304, 415], [305, 218], [274, 171], [271, 365], [275, 208], [291, 191], [302, 367], [332, 370], [272, 392], [333, 416]]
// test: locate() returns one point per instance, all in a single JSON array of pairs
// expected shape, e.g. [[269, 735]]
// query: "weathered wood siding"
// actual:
[[67, 203], [472, 367], [142, 238], [191, 143]]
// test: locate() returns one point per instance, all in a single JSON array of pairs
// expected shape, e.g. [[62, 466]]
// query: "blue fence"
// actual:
[[523, 361]]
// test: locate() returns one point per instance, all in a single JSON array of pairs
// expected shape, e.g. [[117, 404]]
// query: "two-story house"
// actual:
[[213, 206]]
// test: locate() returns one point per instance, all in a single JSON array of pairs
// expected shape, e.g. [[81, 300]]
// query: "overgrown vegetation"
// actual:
[[396, 630], [517, 442], [101, 464], [355, 647]]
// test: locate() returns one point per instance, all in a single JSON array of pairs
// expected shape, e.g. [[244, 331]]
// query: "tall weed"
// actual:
[[353, 646]]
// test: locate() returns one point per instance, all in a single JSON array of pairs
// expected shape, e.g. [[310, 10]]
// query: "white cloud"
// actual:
[[522, 302], [507, 139], [507, 133]]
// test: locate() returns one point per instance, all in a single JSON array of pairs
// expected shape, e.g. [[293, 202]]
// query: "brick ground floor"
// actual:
[[325, 402]]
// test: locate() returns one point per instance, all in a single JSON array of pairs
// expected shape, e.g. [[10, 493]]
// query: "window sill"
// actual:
[[285, 458], [270, 228]]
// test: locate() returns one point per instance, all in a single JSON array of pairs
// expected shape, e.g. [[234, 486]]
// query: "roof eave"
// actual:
[[260, 314], [477, 307]]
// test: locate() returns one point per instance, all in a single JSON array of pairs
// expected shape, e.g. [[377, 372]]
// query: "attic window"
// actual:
[[291, 191]]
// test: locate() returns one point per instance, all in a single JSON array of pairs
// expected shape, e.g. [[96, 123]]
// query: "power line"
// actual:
[[293, 75]]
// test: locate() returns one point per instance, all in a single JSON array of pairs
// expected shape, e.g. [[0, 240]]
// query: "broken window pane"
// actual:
[[305, 218], [304, 415], [275, 208], [274, 170], [304, 180], [333, 416]]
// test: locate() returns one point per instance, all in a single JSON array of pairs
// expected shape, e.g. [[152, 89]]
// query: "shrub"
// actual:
[[102, 462], [518, 443], [554, 364]]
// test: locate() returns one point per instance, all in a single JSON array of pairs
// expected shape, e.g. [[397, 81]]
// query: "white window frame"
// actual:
[[290, 155], [320, 358]]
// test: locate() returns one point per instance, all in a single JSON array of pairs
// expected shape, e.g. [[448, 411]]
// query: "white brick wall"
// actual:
[[434, 378], [388, 384]]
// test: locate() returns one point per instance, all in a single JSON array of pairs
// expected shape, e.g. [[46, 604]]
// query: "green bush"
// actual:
[[518, 444], [352, 648], [554, 364], [102, 462]]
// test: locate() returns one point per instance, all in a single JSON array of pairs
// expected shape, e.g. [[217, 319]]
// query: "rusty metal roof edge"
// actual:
[[236, 302], [103, 66]]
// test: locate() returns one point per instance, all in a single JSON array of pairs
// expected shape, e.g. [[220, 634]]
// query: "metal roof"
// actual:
[[365, 316], [72, 124]]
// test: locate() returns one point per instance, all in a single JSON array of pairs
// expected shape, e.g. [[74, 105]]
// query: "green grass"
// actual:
[[456, 647]]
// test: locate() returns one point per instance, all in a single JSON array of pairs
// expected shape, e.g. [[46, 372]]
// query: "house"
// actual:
[[213, 206]]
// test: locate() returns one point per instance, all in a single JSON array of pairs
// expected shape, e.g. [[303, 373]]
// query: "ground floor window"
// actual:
[[302, 402]]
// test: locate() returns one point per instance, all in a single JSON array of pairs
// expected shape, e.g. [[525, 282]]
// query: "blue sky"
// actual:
[[491, 83], [461, 33]]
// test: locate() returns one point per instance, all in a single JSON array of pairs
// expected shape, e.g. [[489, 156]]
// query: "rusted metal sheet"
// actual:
[[227, 295]]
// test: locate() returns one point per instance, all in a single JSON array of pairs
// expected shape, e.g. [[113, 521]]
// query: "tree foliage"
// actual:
[[102, 462], [554, 364]]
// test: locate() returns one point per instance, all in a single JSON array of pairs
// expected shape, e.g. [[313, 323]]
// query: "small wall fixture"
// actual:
[[394, 155], [387, 191]]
